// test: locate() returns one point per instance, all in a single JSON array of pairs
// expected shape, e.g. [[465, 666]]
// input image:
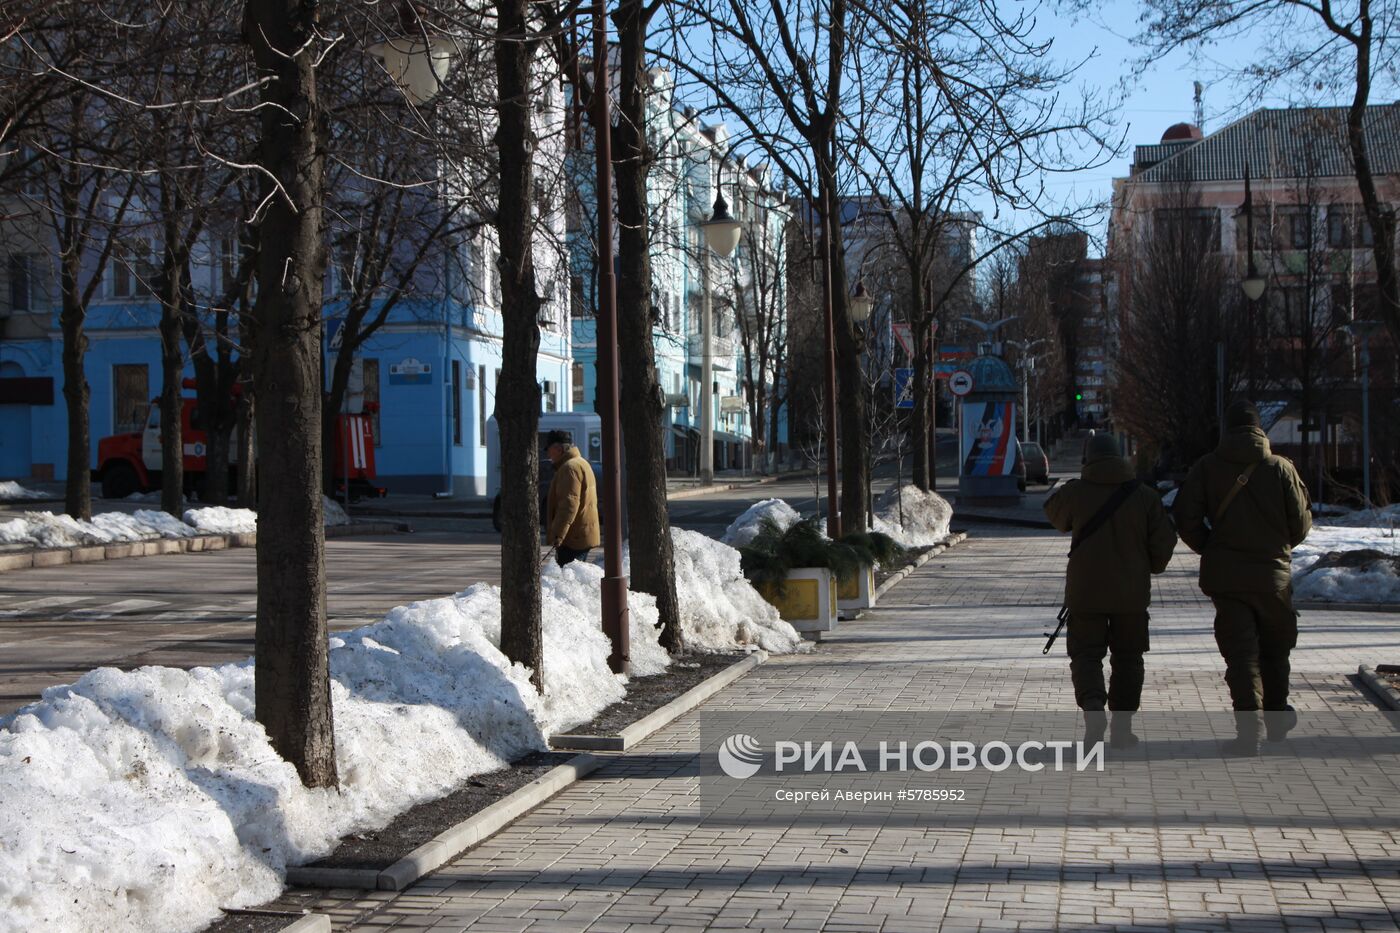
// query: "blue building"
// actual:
[[693, 161], [430, 370]]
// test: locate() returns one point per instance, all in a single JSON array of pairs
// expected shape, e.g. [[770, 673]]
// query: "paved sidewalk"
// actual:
[[625, 851]]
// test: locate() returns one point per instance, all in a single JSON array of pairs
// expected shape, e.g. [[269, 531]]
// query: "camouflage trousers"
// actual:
[[1122, 637]]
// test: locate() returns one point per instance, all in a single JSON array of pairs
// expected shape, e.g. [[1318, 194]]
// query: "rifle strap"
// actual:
[[1240, 482], [1105, 512]]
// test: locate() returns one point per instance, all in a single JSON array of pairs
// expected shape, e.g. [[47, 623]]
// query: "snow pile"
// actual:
[[221, 520], [720, 609], [1322, 572], [333, 512], [12, 490], [48, 530], [1388, 517], [148, 799], [745, 528], [926, 516]]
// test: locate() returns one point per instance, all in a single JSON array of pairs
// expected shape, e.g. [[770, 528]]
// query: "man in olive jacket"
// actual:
[[1108, 584], [571, 513], [1245, 539]]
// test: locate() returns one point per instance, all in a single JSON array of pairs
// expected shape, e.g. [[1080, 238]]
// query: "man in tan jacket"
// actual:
[[1244, 510], [571, 513], [1122, 536]]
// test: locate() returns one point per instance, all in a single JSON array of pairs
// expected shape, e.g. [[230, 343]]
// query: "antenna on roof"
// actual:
[[1200, 105]]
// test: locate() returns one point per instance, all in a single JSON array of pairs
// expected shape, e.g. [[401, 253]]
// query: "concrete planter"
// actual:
[[807, 600], [856, 592]]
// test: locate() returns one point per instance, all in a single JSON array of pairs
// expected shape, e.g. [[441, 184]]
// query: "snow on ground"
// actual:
[[1388, 517], [926, 516], [54, 530], [720, 609], [1372, 583], [12, 490], [146, 800], [220, 520], [745, 528]]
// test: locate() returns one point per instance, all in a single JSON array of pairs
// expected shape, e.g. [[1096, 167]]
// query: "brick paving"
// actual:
[[625, 851]]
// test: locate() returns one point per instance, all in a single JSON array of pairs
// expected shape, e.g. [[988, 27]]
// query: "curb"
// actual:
[[989, 519], [451, 842], [953, 540], [658, 718], [691, 493], [1388, 696], [1347, 607], [311, 923], [91, 553]]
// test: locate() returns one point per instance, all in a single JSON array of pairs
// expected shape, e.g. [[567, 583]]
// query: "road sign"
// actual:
[[901, 333], [960, 383], [335, 333], [904, 387]]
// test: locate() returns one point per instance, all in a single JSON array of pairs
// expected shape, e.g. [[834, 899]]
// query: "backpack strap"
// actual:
[[1240, 482], [1105, 512]]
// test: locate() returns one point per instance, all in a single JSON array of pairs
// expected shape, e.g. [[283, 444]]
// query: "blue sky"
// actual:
[[1156, 96]]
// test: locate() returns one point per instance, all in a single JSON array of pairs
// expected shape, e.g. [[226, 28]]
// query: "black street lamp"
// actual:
[[1253, 283]]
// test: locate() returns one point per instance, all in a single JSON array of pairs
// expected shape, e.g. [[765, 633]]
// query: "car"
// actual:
[[1037, 464], [587, 432]]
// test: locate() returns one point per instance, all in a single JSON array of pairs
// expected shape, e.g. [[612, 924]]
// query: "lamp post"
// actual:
[[616, 624], [1252, 285], [722, 234], [1026, 363], [1361, 331], [417, 60], [860, 304]]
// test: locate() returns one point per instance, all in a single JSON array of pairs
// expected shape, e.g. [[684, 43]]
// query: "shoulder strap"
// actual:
[[1240, 482], [1105, 512]]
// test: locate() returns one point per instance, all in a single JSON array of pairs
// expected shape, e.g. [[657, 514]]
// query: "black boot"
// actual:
[[1279, 723], [1095, 724], [1245, 744], [1122, 735]]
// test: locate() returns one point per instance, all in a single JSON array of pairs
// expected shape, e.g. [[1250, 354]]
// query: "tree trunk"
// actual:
[[78, 486], [172, 365], [850, 380], [247, 451], [518, 395], [330, 418], [920, 421], [642, 410], [292, 686]]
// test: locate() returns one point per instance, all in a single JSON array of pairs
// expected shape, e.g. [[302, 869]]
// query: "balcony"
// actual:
[[721, 347]]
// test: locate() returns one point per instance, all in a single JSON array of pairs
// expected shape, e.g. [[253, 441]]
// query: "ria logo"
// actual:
[[740, 756]]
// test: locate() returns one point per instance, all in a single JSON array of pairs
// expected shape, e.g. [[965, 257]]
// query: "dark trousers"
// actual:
[[1122, 636], [1255, 633], [567, 555]]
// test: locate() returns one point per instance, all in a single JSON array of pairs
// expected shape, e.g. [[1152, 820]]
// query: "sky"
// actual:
[[1155, 97]]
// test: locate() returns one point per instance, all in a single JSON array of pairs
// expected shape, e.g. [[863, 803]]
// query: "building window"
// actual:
[[481, 405], [1299, 229], [133, 272], [21, 269], [369, 370], [457, 403], [131, 395], [578, 385], [549, 396], [1348, 228], [1196, 227]]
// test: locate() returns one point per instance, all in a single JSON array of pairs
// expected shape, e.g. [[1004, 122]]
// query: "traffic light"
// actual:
[[1079, 396]]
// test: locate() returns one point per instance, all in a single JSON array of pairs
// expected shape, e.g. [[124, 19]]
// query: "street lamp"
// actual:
[[722, 234], [1026, 363], [1252, 285], [417, 60], [616, 621], [861, 304], [1361, 331]]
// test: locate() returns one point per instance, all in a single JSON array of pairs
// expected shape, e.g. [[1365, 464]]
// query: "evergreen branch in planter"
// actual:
[[874, 548], [774, 552]]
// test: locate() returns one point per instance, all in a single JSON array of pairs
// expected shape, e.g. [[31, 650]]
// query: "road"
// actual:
[[184, 610]]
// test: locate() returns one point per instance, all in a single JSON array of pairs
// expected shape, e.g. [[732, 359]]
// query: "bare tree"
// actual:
[[1179, 302], [292, 690], [760, 311]]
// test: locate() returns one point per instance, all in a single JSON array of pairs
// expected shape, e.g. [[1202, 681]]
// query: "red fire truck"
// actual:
[[130, 463]]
